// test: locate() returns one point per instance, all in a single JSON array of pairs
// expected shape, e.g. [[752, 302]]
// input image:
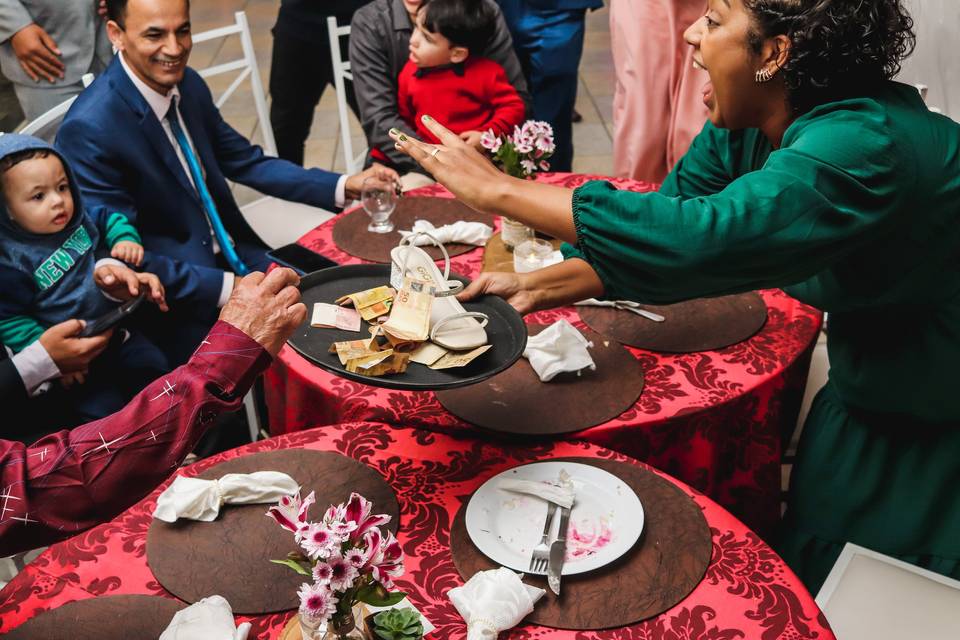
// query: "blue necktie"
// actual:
[[229, 252]]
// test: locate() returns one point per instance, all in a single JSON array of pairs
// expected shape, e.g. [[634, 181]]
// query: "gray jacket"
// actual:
[[73, 24], [379, 39]]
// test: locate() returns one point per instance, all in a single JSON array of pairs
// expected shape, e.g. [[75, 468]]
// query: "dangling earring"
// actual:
[[763, 75]]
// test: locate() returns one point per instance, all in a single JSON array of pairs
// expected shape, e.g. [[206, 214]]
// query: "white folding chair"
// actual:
[[341, 72], [46, 125], [247, 65], [277, 222], [871, 596]]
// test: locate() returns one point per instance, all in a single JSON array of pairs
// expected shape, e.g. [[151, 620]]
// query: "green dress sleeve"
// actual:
[[714, 159], [833, 186]]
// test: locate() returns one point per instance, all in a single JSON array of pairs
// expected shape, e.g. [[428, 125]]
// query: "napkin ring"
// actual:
[[220, 499], [483, 623]]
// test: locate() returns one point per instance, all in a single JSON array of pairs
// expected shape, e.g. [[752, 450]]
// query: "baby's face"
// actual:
[[38, 195]]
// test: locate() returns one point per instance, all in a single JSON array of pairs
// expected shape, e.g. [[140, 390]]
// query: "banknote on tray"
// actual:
[[335, 317], [371, 304], [353, 349], [459, 358]]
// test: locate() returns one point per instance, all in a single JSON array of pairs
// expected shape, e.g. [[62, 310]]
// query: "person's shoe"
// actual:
[[451, 326], [576, 117]]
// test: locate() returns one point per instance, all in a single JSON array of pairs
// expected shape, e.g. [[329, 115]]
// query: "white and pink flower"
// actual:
[[291, 513], [317, 601], [524, 151], [347, 550], [322, 572], [358, 511], [319, 541], [490, 141], [342, 573], [356, 557]]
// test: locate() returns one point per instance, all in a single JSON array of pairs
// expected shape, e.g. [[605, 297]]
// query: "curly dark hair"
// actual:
[[839, 47]]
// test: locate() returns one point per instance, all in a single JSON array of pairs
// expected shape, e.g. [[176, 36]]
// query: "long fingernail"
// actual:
[[403, 138], [426, 118], [394, 131]]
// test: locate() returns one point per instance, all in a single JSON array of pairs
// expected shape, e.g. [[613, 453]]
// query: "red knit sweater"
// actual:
[[480, 99]]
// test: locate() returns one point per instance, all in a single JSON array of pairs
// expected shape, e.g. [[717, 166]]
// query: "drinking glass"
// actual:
[[379, 199]]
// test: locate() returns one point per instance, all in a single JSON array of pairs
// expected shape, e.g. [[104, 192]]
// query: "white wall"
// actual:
[[936, 60]]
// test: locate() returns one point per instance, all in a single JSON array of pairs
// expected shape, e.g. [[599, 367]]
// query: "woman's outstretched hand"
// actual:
[[510, 286], [459, 167], [553, 286]]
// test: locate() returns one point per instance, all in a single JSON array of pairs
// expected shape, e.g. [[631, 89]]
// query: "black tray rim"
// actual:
[[515, 322]]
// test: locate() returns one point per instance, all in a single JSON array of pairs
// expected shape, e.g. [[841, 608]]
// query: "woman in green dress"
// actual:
[[818, 174]]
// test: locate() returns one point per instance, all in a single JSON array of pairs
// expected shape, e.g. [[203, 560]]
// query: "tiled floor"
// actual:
[[592, 137]]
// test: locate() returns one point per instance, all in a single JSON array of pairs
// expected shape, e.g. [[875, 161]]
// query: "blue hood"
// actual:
[[13, 143]]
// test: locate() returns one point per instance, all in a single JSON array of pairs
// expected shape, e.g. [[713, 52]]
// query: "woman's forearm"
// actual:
[[544, 207], [562, 284]]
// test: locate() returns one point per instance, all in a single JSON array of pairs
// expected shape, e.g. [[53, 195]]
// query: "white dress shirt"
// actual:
[[160, 105], [35, 367]]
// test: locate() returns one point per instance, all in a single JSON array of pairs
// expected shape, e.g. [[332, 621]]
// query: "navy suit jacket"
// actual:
[[124, 162]]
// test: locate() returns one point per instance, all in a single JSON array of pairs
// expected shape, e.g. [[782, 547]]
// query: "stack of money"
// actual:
[[395, 339], [410, 316]]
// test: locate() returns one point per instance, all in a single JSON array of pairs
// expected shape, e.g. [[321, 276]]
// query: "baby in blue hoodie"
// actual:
[[55, 265]]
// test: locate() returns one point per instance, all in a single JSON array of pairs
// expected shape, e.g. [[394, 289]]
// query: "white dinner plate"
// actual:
[[605, 523]]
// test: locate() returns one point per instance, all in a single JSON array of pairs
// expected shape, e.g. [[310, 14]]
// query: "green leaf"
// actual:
[[372, 597], [293, 564]]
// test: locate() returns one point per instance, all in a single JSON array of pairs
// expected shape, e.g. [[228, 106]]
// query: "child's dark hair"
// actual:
[[10, 161], [465, 23]]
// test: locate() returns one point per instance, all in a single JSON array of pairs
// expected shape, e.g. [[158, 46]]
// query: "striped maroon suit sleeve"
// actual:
[[72, 480]]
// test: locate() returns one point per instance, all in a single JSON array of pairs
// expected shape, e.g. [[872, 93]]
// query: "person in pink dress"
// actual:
[[657, 103]]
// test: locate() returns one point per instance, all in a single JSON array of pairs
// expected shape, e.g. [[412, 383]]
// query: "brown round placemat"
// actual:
[[496, 256], [666, 564], [231, 556], [130, 616], [695, 325], [350, 231], [516, 402]]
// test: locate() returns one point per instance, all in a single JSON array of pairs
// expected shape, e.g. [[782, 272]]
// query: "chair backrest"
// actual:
[[46, 125], [247, 66], [341, 72]]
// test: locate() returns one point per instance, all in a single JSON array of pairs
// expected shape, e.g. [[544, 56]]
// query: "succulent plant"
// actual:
[[398, 624]]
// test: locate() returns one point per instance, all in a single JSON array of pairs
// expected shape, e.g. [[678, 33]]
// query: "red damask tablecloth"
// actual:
[[748, 592], [715, 419]]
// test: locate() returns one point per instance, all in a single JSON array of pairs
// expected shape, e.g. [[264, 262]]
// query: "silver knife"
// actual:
[[557, 551], [633, 307]]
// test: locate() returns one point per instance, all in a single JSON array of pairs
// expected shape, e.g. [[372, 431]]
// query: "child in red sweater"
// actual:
[[468, 93]]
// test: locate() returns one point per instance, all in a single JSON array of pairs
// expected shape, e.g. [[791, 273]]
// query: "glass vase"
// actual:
[[513, 233], [339, 627]]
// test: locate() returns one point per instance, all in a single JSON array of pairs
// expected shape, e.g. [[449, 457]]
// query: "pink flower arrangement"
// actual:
[[524, 152], [346, 554]]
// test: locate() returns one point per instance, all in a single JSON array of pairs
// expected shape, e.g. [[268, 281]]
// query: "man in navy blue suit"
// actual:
[[548, 39], [146, 139]]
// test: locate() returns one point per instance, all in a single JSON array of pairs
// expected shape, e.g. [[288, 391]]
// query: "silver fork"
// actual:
[[541, 553]]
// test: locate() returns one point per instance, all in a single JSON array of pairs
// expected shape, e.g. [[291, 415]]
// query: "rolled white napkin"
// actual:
[[197, 499], [493, 601], [461, 231], [556, 349], [208, 619], [561, 495]]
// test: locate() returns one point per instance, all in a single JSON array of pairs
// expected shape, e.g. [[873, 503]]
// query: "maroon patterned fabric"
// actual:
[[748, 592], [712, 419]]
